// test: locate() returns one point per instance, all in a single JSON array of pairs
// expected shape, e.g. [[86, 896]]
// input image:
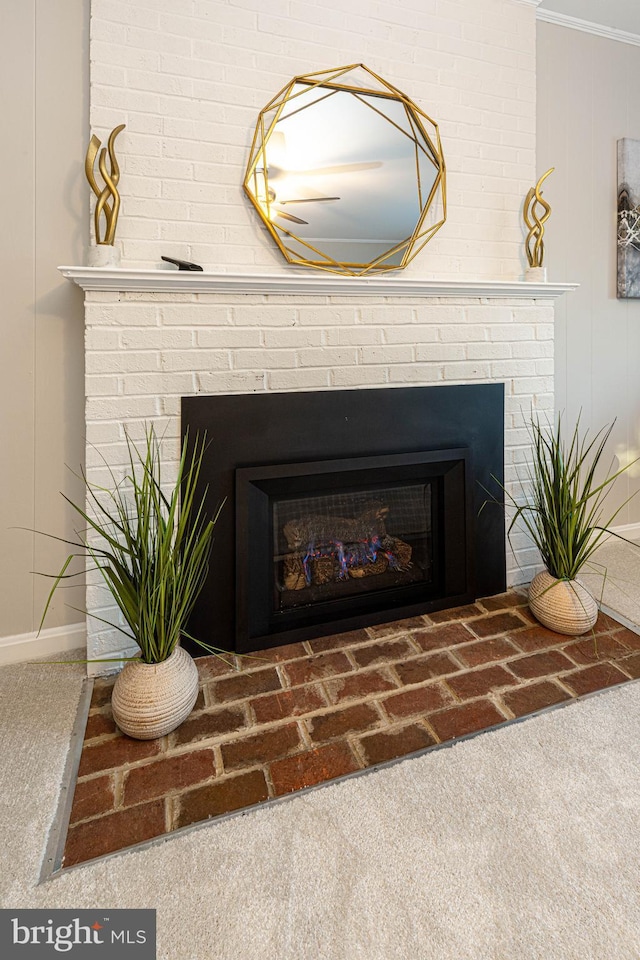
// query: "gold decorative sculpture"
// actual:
[[108, 202], [535, 223]]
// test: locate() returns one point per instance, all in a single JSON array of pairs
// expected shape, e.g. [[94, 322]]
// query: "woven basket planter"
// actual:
[[151, 699], [562, 605]]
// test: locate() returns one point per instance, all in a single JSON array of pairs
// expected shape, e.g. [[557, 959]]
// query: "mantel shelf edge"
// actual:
[[124, 280]]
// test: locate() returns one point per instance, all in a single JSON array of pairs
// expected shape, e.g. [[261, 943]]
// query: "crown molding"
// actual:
[[587, 26], [175, 281], [530, 3]]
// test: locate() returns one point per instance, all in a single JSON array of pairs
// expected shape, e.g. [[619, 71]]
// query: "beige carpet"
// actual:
[[521, 843], [614, 579]]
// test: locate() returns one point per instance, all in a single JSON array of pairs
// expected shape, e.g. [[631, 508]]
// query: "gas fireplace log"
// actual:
[[381, 565], [326, 568], [294, 578], [324, 528], [401, 551]]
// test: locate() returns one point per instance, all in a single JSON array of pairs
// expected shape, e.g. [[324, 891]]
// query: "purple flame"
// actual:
[[348, 555]]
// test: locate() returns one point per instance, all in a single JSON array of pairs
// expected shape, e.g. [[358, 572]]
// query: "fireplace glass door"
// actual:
[[351, 543], [339, 541]]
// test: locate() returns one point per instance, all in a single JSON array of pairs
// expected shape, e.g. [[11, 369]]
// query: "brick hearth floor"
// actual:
[[312, 712]]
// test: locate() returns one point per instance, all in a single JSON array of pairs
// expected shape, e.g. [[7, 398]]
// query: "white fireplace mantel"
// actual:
[[147, 347], [174, 281]]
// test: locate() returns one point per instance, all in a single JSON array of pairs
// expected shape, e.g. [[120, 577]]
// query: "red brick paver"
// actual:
[[631, 665], [607, 646], [303, 714], [169, 775], [486, 651], [315, 766], [317, 668], [535, 638], [540, 665], [467, 718], [116, 830], [115, 752], [358, 686], [534, 697], [232, 793], [478, 683], [504, 601], [205, 726], [261, 748], [339, 723], [93, 797], [446, 635], [593, 678], [242, 685], [288, 703], [420, 669], [418, 701], [378, 747], [100, 723], [497, 623], [457, 613], [383, 652], [338, 641]]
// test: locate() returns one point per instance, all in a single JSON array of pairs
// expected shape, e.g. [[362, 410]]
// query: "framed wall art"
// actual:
[[628, 218]]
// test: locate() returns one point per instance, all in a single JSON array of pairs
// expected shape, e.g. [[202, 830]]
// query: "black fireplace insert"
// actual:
[[346, 508]]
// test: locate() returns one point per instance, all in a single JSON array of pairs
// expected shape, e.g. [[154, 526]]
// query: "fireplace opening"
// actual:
[[349, 543], [329, 542], [346, 508]]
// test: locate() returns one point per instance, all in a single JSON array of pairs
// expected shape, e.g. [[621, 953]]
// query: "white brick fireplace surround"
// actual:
[[188, 77], [146, 348]]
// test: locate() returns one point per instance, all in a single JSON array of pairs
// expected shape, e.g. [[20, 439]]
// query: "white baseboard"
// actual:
[[630, 531], [30, 646]]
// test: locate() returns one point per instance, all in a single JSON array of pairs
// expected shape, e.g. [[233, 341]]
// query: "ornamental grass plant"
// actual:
[[564, 511], [150, 547]]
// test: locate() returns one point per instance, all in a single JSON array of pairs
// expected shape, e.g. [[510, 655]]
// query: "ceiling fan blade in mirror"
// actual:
[[309, 200], [290, 216]]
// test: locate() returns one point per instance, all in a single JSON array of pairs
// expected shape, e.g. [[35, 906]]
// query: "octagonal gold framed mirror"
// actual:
[[347, 173]]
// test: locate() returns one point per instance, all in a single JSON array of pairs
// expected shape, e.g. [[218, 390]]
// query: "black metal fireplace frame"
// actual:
[[258, 626], [265, 429]]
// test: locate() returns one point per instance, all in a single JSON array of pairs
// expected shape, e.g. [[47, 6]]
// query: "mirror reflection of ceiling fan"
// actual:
[[276, 144], [365, 161], [289, 216]]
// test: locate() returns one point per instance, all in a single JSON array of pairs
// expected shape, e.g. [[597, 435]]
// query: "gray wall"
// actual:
[[587, 100], [44, 84]]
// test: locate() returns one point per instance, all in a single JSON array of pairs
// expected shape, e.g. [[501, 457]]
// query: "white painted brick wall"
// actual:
[[188, 77], [145, 351]]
